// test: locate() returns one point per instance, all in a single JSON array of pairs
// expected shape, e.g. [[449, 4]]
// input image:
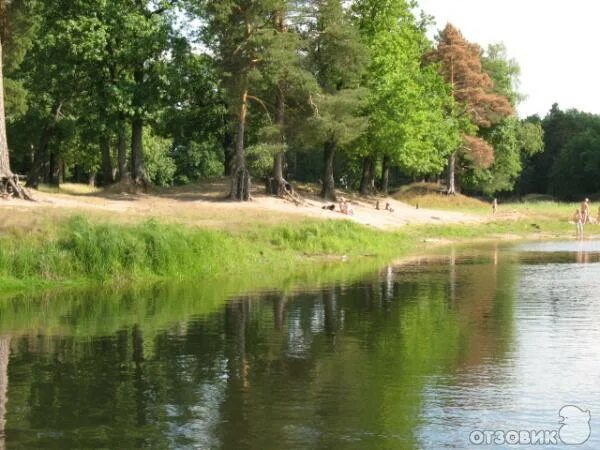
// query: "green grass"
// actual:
[[79, 251]]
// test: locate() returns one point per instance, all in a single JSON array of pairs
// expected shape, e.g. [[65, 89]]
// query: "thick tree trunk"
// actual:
[[385, 175], [138, 166], [367, 182], [328, 189], [122, 151], [279, 185], [4, 358], [240, 179], [107, 166], [9, 184], [452, 174]]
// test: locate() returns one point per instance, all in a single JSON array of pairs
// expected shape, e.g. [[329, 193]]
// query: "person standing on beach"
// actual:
[[585, 211], [578, 219], [494, 206]]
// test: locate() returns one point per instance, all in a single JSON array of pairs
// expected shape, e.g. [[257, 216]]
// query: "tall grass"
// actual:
[[79, 250], [84, 250]]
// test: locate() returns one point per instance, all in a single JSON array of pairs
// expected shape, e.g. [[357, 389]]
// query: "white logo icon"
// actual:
[[575, 425]]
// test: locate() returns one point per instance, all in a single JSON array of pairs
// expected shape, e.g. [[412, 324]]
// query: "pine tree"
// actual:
[[287, 85], [339, 60], [473, 90], [237, 31]]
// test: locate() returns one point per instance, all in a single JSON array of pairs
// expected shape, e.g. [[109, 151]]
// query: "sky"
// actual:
[[554, 41]]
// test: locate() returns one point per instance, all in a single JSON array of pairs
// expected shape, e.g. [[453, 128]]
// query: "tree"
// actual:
[[512, 140], [235, 31], [288, 85], [338, 60], [9, 183], [473, 90], [408, 101], [196, 117]]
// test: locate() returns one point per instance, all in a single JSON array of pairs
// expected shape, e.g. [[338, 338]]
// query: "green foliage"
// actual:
[[197, 160], [514, 141], [347, 76], [260, 159], [565, 166], [160, 166], [408, 101], [338, 59], [502, 175], [504, 72]]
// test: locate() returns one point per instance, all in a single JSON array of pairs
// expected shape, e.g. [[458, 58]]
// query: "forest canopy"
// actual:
[[342, 94]]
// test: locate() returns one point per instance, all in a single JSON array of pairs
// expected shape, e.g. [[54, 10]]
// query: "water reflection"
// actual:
[[411, 356], [4, 354]]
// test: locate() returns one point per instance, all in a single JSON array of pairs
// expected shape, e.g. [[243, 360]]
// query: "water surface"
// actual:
[[416, 355]]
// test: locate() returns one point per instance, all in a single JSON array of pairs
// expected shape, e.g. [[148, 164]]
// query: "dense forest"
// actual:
[[344, 94]]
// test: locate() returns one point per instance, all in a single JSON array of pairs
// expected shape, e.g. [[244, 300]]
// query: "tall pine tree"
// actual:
[[475, 97], [339, 60]]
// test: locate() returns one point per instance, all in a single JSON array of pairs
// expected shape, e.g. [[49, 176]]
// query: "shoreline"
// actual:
[[84, 252]]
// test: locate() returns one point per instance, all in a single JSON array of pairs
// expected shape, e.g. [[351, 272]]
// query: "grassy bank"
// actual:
[[80, 251]]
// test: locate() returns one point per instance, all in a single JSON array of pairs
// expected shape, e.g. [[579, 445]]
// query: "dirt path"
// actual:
[[205, 205]]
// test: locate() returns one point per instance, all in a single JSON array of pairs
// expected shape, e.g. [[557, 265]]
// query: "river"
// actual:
[[468, 346]]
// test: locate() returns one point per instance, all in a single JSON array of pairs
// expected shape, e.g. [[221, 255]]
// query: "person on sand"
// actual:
[[345, 208], [585, 211], [494, 206], [578, 219]]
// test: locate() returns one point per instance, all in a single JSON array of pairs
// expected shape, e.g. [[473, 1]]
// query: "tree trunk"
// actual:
[[385, 175], [229, 152], [41, 152], [328, 189], [367, 182], [452, 174], [240, 180], [4, 358], [9, 183], [53, 170], [122, 151], [62, 172], [280, 185], [5, 171], [138, 166], [107, 166]]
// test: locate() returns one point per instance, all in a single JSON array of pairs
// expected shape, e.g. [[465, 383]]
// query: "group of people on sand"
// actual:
[[582, 217], [344, 206]]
